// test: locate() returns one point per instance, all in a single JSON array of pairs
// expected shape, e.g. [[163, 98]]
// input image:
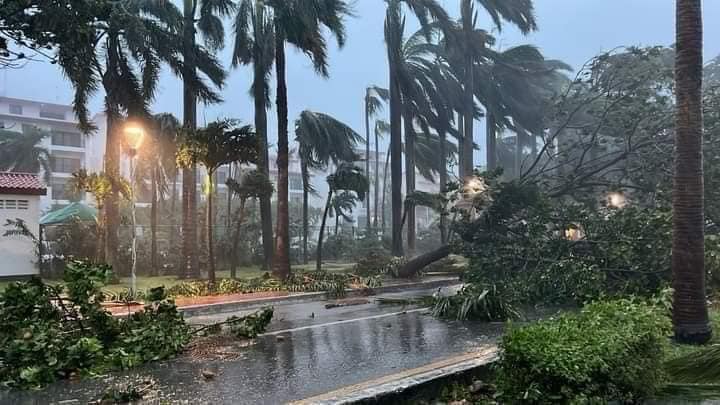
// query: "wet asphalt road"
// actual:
[[335, 348]]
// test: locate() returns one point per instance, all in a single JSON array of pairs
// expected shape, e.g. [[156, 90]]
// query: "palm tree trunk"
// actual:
[[410, 181], [690, 314], [153, 221], [490, 141], [228, 218], [318, 262], [443, 184], [306, 220], [377, 182], [173, 202], [112, 168], [384, 190], [189, 233], [519, 145], [337, 223], [263, 165], [235, 257], [396, 163], [461, 147], [367, 161], [281, 263], [209, 222], [468, 118]]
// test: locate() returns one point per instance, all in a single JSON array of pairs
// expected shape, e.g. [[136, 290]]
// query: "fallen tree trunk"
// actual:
[[414, 265]]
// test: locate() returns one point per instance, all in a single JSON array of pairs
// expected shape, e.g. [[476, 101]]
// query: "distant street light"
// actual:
[[616, 200], [134, 135]]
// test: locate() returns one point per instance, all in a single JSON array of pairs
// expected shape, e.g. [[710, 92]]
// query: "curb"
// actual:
[[387, 389], [235, 306]]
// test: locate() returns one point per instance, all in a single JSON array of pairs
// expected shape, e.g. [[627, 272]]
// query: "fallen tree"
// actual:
[[416, 264]]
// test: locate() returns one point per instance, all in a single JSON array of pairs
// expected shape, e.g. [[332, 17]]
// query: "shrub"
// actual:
[[610, 351], [473, 301]]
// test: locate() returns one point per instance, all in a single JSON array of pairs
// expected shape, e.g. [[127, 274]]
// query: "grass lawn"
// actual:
[[145, 283]]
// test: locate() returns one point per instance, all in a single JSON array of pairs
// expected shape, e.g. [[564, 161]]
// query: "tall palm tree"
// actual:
[[300, 23], [216, 145], [342, 206], [424, 10], [204, 16], [382, 127], [469, 44], [374, 98], [690, 314], [322, 139], [160, 155], [21, 152], [124, 57], [349, 178], [255, 44]]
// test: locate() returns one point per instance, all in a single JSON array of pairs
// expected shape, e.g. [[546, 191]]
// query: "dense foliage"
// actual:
[[51, 332], [542, 250], [610, 351]]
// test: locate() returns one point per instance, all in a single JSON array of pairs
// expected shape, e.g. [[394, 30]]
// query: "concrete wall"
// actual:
[[17, 253]]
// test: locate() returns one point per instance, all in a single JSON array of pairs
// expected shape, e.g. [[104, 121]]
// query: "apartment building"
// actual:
[[70, 150]]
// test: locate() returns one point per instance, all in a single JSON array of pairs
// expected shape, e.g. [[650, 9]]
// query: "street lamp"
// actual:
[[616, 200], [134, 134]]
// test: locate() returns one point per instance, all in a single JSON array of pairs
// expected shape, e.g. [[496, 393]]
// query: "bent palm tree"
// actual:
[[690, 314], [347, 177], [255, 44], [218, 144], [322, 140], [300, 23]]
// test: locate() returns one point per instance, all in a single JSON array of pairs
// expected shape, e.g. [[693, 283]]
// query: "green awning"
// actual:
[[74, 210]]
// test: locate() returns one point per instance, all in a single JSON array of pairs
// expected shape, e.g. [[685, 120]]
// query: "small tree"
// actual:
[[220, 143], [254, 184], [347, 177]]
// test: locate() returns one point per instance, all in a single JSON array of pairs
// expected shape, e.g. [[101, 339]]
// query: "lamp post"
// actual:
[[134, 135]]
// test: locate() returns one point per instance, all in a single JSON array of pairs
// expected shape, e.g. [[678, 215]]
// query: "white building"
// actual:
[[69, 148], [20, 195]]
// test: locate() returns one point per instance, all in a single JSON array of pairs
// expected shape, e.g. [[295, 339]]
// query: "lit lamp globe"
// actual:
[[134, 135], [616, 200]]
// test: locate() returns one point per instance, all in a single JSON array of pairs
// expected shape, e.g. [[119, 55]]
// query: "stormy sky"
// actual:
[[570, 30]]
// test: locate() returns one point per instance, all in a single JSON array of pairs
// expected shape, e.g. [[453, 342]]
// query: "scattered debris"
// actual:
[[207, 374], [280, 338], [132, 391], [217, 347]]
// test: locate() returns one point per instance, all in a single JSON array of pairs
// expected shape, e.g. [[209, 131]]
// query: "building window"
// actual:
[[59, 191], [221, 176], [56, 115], [16, 109], [295, 182], [74, 139], [65, 165]]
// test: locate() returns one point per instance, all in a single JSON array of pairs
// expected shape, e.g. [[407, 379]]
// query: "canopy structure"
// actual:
[[74, 210]]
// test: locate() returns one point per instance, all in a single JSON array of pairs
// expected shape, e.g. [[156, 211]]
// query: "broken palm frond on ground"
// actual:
[[471, 302], [702, 365]]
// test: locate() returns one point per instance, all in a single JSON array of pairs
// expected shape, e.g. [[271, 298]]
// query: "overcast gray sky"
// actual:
[[570, 30]]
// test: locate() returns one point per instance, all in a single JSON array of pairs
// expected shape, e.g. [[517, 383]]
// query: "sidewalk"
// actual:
[[214, 304]]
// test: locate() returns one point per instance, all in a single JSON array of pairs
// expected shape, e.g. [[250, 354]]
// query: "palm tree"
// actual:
[[381, 127], [21, 152], [218, 144], [467, 47], [255, 44], [322, 139], [204, 16], [347, 177], [254, 184], [424, 10], [160, 155], [300, 23], [690, 314], [342, 206], [374, 98], [124, 56]]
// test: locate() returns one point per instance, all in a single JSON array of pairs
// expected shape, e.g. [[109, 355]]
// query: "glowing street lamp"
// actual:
[[134, 135], [616, 200]]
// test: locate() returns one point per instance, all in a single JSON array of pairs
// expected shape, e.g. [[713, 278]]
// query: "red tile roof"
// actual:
[[21, 183]]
